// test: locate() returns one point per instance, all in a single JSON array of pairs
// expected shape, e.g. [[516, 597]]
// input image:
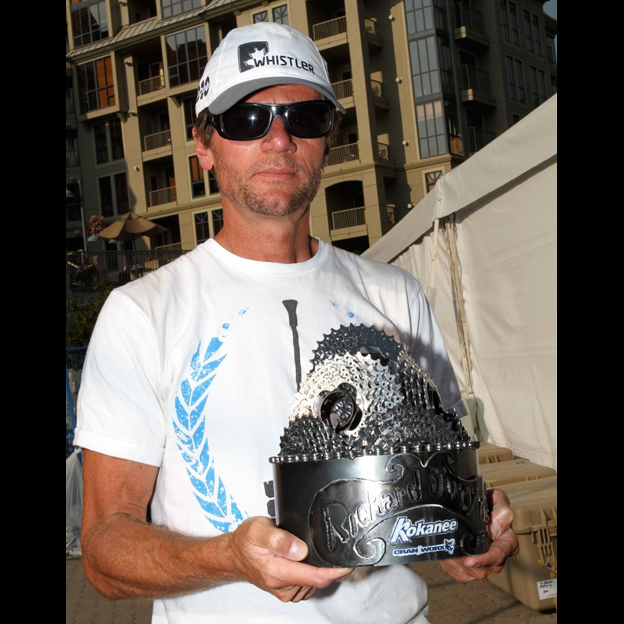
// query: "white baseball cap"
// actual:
[[259, 56]]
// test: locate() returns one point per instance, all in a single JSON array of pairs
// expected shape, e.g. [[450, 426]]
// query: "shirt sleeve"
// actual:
[[120, 412], [428, 349]]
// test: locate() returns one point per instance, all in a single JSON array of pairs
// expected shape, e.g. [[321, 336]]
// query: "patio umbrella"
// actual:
[[130, 227]]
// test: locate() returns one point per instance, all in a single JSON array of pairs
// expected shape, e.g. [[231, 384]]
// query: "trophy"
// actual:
[[372, 470]]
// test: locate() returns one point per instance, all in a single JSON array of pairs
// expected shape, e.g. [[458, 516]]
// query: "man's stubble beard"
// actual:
[[241, 192]]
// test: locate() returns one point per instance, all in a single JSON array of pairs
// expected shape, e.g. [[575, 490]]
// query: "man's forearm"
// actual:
[[127, 558]]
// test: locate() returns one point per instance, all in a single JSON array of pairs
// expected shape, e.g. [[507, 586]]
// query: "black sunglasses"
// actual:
[[247, 121]]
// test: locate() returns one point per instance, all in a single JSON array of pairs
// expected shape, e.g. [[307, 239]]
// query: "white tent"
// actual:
[[483, 245]]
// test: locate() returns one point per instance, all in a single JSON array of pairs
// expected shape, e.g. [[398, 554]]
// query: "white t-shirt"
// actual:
[[193, 369]]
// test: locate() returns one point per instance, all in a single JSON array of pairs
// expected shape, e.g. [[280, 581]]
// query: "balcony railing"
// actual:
[[371, 25], [344, 153], [348, 218], [87, 268], [163, 196], [468, 18], [159, 139], [391, 212], [377, 88], [478, 138], [329, 29], [455, 145], [343, 89], [384, 151], [156, 83], [475, 79]]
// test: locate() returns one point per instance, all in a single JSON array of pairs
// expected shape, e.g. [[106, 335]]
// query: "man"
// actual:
[[190, 377]]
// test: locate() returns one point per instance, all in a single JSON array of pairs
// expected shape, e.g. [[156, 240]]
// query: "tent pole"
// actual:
[[434, 255], [450, 238]]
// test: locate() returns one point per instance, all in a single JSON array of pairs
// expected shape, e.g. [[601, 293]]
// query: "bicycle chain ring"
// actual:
[[366, 392]]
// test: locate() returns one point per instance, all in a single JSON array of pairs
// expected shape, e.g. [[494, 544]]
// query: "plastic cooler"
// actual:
[[490, 453], [514, 471], [531, 576]]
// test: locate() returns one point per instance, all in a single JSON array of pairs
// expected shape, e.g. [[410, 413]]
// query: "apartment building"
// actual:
[[426, 83]]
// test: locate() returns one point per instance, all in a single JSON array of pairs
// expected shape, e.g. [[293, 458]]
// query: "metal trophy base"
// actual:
[[406, 506]]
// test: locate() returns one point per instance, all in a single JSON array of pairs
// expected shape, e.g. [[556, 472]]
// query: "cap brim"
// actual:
[[242, 90]]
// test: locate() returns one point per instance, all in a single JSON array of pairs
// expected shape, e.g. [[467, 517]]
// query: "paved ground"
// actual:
[[479, 602]]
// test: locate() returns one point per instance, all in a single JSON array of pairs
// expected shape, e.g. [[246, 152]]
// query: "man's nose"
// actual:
[[278, 139]]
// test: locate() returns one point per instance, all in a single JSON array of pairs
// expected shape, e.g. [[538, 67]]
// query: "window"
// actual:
[[106, 197], [529, 31], [431, 178], [419, 14], [538, 39], [217, 221], [520, 81], [553, 81], [198, 187], [108, 141], [512, 79], [426, 77], [431, 132], [552, 54], [97, 89], [186, 55], [202, 232], [89, 23], [116, 139], [121, 191], [177, 7], [278, 14], [101, 143], [213, 187], [542, 85], [536, 98], [515, 36], [516, 80], [189, 117], [505, 19], [118, 203]]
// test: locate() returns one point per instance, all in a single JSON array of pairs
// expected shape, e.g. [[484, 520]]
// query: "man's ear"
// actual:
[[204, 153]]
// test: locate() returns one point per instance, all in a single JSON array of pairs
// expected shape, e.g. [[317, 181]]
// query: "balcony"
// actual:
[[344, 154], [383, 151], [475, 86], [378, 96], [370, 24], [157, 140], [331, 28], [391, 213], [344, 219], [477, 139], [344, 91], [455, 145], [151, 85], [163, 196], [469, 28]]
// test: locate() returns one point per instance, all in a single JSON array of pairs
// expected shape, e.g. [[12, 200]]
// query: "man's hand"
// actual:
[[270, 558], [504, 544]]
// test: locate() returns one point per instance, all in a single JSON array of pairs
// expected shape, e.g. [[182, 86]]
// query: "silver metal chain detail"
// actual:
[[366, 395]]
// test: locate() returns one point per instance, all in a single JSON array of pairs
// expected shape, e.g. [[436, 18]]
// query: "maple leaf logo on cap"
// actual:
[[250, 54]]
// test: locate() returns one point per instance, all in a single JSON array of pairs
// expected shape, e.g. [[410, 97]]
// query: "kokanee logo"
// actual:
[[252, 55], [256, 54]]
